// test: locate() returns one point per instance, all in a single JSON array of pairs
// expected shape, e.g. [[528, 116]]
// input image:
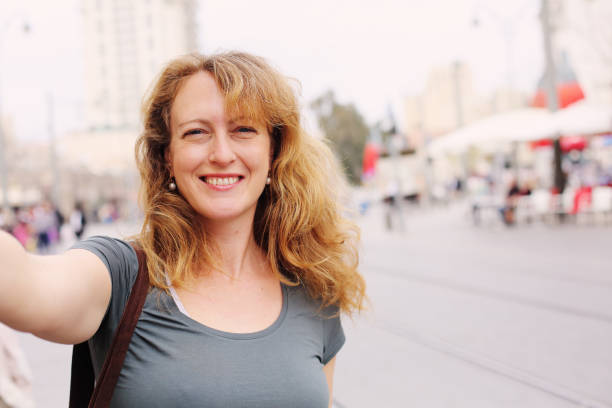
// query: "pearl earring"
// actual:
[[172, 185], [268, 180]]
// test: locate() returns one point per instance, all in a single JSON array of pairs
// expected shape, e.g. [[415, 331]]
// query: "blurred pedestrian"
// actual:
[[58, 222], [78, 221], [21, 231], [43, 222], [509, 210], [249, 256]]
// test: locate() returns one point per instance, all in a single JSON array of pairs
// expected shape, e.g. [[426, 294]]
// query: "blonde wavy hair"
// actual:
[[299, 222]]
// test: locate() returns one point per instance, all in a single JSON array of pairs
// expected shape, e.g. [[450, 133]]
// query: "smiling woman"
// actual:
[[249, 257]]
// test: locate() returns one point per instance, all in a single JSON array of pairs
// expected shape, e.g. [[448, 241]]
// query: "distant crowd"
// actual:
[[40, 226]]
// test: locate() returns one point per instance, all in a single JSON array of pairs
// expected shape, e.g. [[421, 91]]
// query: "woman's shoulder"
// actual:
[[301, 300], [118, 256], [103, 243], [107, 247], [307, 311]]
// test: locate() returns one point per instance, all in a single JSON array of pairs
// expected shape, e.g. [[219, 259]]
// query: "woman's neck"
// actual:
[[239, 253]]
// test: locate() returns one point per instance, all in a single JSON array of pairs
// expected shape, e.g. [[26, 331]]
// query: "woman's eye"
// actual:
[[193, 132], [245, 129]]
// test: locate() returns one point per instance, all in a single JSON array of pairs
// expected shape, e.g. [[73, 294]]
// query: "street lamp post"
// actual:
[[52, 149], [551, 91], [3, 170]]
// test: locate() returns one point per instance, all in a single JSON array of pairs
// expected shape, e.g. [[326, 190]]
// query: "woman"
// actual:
[[249, 256]]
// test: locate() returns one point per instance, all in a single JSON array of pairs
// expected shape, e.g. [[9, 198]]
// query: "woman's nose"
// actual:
[[221, 150]]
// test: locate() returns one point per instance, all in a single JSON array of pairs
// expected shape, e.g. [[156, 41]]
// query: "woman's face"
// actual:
[[220, 162]]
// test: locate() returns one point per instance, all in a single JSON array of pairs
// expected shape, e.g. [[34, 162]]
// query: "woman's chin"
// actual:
[[226, 215]]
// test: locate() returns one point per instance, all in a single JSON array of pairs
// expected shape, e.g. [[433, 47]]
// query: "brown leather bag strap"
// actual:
[[82, 376], [115, 356]]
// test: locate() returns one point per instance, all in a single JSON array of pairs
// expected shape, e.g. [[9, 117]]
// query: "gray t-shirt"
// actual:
[[175, 361]]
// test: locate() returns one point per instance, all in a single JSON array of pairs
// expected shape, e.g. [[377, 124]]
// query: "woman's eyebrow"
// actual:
[[192, 121]]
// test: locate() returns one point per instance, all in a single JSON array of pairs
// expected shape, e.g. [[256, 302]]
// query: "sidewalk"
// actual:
[[480, 317]]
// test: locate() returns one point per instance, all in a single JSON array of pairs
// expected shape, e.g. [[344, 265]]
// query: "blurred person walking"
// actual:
[[78, 220], [58, 222], [22, 229], [508, 211], [42, 223], [249, 258]]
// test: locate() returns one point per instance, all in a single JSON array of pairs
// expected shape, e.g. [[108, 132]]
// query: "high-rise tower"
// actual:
[[126, 43]]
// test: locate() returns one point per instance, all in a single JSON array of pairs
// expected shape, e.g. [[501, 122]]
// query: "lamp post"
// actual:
[[3, 170], [53, 149], [551, 91]]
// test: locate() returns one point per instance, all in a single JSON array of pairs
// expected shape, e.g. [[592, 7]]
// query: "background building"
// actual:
[[125, 45], [449, 101]]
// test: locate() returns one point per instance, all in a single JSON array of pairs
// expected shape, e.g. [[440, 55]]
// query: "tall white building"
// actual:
[[126, 43]]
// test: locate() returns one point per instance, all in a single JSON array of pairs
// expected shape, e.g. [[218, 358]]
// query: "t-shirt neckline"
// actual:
[[180, 310]]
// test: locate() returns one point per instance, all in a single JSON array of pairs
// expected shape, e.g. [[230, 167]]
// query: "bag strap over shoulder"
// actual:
[[82, 376], [82, 369]]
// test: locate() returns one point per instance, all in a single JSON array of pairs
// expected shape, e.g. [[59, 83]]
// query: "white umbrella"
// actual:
[[492, 132], [584, 118], [521, 125]]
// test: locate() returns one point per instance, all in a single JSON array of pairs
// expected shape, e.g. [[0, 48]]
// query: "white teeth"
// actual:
[[221, 181]]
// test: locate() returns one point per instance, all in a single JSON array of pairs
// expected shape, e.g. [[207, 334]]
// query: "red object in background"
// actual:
[[370, 158], [536, 144], [568, 143], [582, 199], [567, 93]]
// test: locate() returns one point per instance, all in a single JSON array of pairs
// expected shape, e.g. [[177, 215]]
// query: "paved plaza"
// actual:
[[481, 317], [459, 316]]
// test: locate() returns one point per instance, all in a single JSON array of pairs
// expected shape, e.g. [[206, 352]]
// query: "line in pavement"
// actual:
[[493, 294], [542, 274], [563, 278], [495, 366]]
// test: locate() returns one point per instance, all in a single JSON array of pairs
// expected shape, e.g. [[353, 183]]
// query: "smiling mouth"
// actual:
[[221, 181]]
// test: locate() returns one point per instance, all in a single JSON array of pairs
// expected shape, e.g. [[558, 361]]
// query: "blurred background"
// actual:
[[476, 136]]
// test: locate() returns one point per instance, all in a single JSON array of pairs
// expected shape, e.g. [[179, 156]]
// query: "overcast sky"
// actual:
[[370, 52]]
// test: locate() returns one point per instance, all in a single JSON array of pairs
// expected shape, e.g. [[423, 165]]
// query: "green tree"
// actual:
[[346, 129]]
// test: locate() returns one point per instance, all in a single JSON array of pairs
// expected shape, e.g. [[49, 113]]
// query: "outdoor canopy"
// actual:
[[525, 125]]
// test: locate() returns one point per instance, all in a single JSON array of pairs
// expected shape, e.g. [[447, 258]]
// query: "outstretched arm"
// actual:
[[61, 298]]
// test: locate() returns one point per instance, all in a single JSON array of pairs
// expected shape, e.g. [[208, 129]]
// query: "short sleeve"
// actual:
[[122, 264], [333, 337]]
